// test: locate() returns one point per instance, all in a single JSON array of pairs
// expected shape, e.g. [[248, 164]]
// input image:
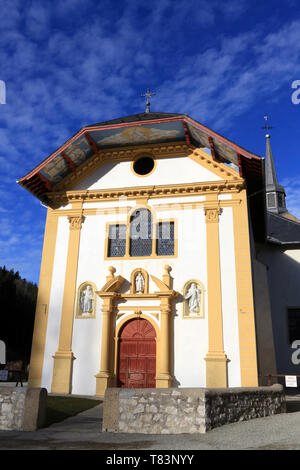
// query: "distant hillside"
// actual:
[[17, 309]]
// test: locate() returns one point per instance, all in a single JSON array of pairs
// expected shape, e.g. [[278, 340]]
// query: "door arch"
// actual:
[[137, 354]]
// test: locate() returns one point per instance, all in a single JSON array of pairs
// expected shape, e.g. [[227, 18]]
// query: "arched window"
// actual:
[[145, 236], [141, 232]]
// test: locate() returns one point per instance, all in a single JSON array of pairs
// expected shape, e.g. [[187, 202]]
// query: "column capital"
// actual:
[[166, 301], [212, 214], [75, 221]]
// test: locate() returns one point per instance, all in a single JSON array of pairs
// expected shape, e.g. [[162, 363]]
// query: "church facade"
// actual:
[[149, 274]]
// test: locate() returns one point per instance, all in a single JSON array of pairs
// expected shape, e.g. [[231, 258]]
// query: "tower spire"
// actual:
[[275, 193]]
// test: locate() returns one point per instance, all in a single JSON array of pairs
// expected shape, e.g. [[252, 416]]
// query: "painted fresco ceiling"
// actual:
[[130, 131], [80, 150]]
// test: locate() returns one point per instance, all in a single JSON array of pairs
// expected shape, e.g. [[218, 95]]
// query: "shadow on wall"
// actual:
[[284, 291], [293, 402]]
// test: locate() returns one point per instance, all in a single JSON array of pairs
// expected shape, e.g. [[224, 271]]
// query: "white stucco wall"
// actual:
[[229, 297], [119, 174], [190, 335], [93, 267], [56, 299]]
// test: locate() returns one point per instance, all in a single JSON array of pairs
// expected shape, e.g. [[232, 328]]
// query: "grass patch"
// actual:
[[60, 408]]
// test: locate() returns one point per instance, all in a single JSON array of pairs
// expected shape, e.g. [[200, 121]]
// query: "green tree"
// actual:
[[17, 301]]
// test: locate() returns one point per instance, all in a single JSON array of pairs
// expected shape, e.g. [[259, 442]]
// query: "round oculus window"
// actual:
[[143, 166]]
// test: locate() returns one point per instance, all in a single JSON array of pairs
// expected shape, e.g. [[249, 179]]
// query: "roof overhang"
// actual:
[[137, 130]]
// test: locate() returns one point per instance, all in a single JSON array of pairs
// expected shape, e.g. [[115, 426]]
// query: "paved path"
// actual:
[[84, 432]]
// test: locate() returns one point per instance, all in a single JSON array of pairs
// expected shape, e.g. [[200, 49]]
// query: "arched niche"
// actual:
[[193, 299], [86, 300], [134, 281]]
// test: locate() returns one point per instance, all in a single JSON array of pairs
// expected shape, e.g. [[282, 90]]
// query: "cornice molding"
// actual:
[[62, 198], [171, 149], [121, 154]]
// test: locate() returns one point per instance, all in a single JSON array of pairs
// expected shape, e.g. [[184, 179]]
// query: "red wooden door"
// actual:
[[137, 355]]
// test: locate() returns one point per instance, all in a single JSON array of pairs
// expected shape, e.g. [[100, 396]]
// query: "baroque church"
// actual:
[[169, 260]]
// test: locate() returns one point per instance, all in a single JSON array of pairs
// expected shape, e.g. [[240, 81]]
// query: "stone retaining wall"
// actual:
[[22, 409], [12, 404], [186, 410]]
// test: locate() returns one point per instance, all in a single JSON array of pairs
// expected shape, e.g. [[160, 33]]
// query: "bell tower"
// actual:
[[275, 193]]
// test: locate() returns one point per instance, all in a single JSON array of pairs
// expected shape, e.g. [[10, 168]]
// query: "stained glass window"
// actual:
[[141, 233], [117, 240], [165, 239]]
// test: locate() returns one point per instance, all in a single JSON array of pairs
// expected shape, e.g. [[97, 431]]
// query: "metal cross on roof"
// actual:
[[267, 127], [148, 95]]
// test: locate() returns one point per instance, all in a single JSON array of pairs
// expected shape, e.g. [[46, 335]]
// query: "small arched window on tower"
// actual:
[[141, 230]]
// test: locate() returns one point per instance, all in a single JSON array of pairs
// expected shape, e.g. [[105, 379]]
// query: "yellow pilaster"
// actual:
[[164, 377], [41, 315], [105, 377], [63, 358], [216, 359], [247, 338]]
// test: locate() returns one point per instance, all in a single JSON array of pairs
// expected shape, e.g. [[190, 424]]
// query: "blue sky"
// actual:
[[71, 63]]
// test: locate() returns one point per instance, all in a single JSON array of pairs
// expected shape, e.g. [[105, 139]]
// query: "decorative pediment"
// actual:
[[160, 284], [113, 283]]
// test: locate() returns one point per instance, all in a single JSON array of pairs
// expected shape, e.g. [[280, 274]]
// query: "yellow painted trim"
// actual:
[[63, 358], [133, 308], [164, 376], [216, 359], [170, 206], [43, 299], [246, 317], [105, 377], [62, 198], [138, 296], [220, 169]]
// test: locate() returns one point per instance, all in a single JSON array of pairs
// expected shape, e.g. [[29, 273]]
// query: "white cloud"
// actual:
[[292, 189], [64, 68]]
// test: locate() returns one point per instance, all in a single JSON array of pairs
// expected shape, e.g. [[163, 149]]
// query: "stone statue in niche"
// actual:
[[193, 296], [139, 283], [87, 300]]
